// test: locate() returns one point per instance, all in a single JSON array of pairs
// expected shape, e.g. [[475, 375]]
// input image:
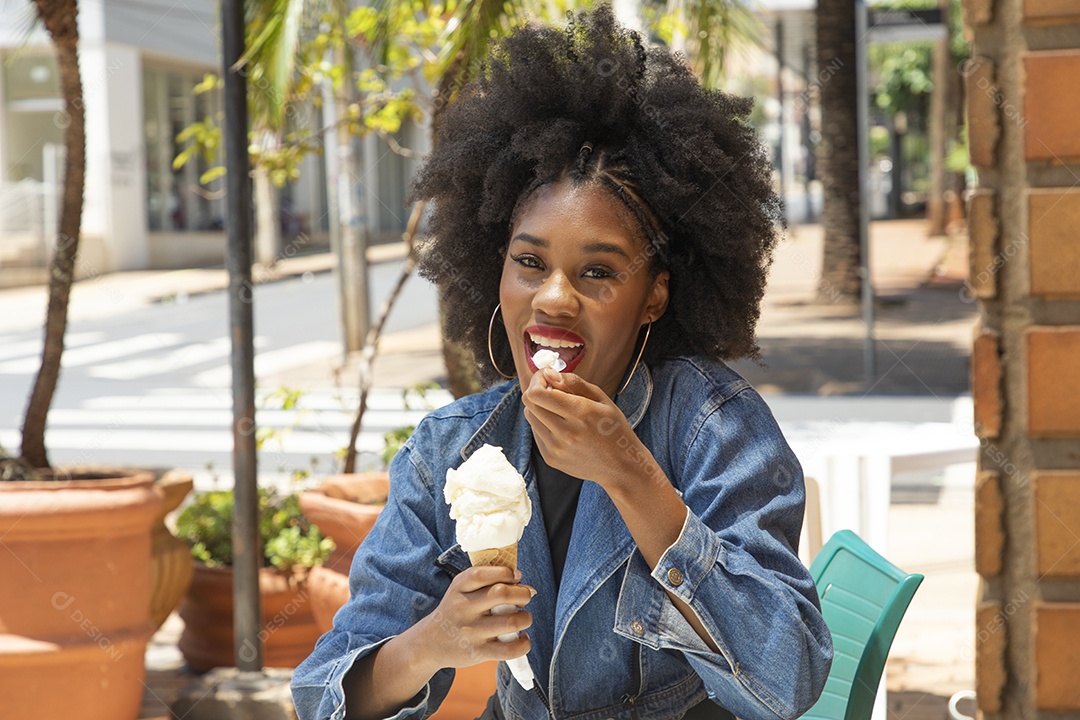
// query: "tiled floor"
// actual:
[[165, 672]]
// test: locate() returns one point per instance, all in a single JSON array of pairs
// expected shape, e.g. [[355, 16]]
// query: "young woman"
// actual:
[[591, 198]]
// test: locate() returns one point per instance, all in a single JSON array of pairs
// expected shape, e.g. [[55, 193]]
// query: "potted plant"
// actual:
[[76, 610], [70, 538], [292, 546], [345, 507]]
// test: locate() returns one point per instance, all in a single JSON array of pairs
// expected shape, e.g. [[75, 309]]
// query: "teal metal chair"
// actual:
[[863, 599]]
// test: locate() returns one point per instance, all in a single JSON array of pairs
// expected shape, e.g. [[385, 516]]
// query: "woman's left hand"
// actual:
[[580, 431]]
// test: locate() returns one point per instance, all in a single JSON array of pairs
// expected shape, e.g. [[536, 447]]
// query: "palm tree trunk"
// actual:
[[838, 152], [267, 223], [60, 19], [352, 222], [936, 211]]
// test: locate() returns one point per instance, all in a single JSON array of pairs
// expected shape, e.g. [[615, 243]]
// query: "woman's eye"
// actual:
[[529, 261], [597, 273]]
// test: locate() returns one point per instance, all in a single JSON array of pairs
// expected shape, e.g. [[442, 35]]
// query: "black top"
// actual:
[[558, 502], [559, 494]]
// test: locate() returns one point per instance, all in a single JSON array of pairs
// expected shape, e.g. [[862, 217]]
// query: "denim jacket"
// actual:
[[609, 643]]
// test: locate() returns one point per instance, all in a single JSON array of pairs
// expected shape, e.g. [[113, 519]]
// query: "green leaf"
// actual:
[[212, 174], [362, 21], [181, 159], [209, 83], [192, 131]]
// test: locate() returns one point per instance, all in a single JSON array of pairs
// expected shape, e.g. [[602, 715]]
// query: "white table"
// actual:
[[855, 465]]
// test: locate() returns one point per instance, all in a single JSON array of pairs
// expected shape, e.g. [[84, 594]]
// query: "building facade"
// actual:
[[140, 61]]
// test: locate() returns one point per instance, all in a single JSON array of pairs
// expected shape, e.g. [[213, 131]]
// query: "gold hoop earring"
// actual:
[[638, 360], [491, 325]]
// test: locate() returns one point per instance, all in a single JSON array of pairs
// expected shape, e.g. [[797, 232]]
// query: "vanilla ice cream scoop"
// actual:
[[548, 359], [488, 499]]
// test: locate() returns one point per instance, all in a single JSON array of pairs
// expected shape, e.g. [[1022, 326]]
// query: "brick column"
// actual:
[[1023, 95]]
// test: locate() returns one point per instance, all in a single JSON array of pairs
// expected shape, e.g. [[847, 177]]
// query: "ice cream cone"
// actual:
[[489, 502], [505, 557], [498, 557]]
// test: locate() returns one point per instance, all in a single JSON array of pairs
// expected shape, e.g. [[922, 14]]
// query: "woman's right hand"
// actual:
[[461, 631]]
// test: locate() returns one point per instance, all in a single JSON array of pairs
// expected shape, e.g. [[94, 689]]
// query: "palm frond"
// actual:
[[474, 23], [710, 30], [273, 42], [715, 27]]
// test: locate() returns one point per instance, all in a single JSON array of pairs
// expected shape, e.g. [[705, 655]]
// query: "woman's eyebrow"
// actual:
[[531, 239], [605, 247], [594, 247]]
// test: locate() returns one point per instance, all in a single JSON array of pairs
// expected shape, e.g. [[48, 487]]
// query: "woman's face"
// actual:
[[576, 280]]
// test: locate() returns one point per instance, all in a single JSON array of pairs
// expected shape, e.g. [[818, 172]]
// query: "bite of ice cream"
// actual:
[[548, 359]]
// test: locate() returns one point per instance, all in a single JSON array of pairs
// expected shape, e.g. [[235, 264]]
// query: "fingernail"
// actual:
[[517, 574], [533, 591]]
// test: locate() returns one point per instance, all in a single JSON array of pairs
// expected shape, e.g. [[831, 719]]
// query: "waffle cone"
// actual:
[[501, 557]]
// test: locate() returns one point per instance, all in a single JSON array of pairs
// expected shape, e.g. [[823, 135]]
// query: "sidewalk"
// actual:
[[112, 293], [922, 325], [922, 328]]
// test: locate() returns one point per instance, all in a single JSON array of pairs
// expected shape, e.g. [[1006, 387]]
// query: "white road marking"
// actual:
[[182, 357], [273, 361], [80, 356]]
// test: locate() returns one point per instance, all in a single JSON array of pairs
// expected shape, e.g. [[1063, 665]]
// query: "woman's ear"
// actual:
[[658, 297]]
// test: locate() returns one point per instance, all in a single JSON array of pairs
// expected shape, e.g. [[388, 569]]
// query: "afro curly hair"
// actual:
[[592, 105]]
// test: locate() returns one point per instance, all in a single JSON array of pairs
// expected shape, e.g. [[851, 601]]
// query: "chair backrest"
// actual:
[[863, 599]]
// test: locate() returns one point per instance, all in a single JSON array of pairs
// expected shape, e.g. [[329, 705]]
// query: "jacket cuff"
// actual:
[[417, 707], [685, 564], [645, 613]]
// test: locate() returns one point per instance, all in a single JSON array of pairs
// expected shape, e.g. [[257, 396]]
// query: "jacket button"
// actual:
[[674, 577], [638, 627]]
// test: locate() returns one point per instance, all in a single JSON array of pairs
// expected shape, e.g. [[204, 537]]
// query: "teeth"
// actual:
[[551, 342]]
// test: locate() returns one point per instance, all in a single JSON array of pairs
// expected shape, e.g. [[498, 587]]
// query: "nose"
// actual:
[[556, 297]]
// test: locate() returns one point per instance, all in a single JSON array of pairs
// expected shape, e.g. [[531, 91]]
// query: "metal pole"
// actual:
[[863, 110], [247, 551], [780, 111], [808, 145]]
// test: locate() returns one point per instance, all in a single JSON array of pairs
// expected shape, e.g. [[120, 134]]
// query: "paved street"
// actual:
[[149, 385]]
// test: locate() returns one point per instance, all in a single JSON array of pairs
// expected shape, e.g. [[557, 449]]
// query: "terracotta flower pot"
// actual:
[[344, 507], [171, 564], [289, 631], [75, 611], [470, 692]]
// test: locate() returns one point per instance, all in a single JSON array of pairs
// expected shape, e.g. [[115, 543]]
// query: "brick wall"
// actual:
[[1023, 95]]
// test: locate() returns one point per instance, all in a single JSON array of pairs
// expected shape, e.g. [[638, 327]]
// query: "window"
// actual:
[[174, 198]]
